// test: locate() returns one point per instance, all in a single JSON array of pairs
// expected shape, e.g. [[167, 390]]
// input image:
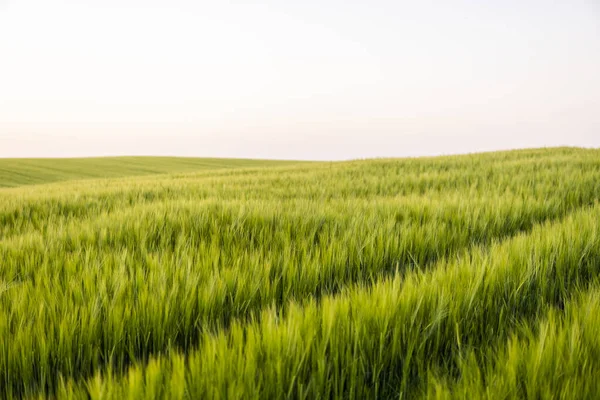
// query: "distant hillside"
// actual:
[[18, 172]]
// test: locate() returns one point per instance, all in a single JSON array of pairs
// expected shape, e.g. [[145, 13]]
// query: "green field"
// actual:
[[467, 276], [30, 171]]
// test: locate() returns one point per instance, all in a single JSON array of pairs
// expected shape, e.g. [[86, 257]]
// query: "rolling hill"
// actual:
[[28, 171]]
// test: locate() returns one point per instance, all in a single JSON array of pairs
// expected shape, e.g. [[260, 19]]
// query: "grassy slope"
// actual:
[[356, 279], [17, 172]]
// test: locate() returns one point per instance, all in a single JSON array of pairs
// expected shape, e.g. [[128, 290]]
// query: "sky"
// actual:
[[323, 80]]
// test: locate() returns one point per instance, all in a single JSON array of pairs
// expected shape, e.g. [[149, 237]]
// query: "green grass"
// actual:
[[557, 358], [443, 276]]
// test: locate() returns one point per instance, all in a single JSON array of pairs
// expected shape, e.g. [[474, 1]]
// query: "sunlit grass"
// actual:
[[359, 279]]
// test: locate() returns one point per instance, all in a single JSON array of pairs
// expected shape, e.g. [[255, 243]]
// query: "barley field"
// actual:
[[472, 276]]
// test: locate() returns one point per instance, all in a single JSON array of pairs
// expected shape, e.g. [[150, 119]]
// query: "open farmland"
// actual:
[[30, 171], [462, 276]]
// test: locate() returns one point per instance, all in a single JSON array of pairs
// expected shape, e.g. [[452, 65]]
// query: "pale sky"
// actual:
[[310, 79]]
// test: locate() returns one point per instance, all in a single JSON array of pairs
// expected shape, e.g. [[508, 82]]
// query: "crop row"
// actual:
[[385, 340]]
